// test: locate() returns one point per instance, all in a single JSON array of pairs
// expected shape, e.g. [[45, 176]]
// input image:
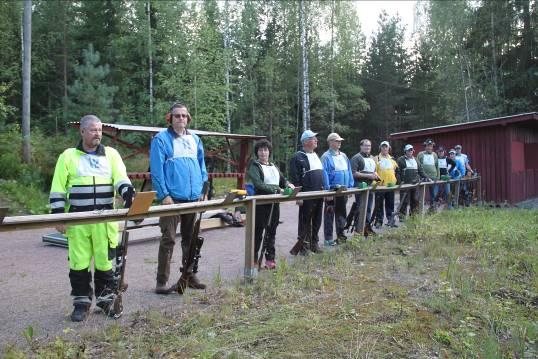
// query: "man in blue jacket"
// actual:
[[178, 173], [337, 172]]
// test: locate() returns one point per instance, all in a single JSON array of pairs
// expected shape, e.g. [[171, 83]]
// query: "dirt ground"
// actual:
[[34, 284]]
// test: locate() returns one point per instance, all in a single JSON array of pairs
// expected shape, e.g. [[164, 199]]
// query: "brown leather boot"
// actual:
[[195, 283]]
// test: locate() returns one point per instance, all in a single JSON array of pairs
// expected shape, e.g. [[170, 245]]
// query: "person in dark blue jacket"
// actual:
[[178, 173], [306, 171], [337, 172]]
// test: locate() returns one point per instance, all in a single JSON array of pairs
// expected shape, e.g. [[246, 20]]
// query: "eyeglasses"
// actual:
[[180, 115]]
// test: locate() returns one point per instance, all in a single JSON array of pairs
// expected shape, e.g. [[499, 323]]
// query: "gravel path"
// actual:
[[34, 284]]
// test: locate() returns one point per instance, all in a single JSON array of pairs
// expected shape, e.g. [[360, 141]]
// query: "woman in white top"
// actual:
[[265, 178]]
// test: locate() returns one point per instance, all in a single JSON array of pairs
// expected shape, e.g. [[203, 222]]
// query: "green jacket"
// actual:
[[429, 164], [256, 177]]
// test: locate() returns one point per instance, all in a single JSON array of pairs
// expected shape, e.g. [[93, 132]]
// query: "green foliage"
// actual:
[[89, 92]]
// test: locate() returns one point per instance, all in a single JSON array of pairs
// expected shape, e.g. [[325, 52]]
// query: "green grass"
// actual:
[[457, 284], [23, 198]]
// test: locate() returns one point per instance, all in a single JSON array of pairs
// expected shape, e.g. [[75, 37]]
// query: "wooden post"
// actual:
[[479, 191], [250, 271], [421, 189], [243, 160], [362, 211], [457, 194]]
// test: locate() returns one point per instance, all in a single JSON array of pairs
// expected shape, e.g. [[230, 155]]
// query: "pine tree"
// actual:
[[90, 93]]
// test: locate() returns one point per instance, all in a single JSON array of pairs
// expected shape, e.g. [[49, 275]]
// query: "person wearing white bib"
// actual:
[[178, 173], [337, 172], [430, 165], [446, 166], [306, 171], [266, 178], [409, 172], [363, 167], [386, 168]]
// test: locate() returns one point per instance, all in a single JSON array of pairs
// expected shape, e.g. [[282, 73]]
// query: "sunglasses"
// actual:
[[180, 115]]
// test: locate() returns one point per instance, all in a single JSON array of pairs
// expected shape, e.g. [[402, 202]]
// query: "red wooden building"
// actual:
[[504, 150]]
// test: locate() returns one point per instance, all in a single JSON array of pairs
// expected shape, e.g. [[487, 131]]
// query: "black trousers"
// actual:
[[310, 214], [411, 200], [384, 200], [263, 212]]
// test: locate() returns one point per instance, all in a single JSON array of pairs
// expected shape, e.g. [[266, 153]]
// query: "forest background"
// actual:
[[258, 67]]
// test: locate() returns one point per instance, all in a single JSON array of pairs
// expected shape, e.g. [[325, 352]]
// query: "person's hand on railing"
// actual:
[[167, 200]]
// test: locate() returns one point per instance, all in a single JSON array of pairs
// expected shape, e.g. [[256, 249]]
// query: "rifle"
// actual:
[[265, 234], [350, 219], [195, 246], [140, 205]]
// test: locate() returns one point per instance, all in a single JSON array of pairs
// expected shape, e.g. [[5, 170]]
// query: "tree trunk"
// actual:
[[150, 60], [26, 78], [306, 88], [333, 99], [493, 55]]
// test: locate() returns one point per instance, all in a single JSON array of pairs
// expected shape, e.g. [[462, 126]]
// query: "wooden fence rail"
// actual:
[[16, 223]]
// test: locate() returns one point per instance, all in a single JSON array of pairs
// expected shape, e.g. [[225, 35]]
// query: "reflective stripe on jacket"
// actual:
[[87, 182]]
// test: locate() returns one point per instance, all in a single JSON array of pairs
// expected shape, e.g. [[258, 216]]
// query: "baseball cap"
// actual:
[[429, 141], [308, 134], [334, 137], [384, 143], [408, 147], [452, 151], [458, 147]]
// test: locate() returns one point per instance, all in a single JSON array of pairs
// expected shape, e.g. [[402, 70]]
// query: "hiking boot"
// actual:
[[378, 225], [161, 288], [341, 239], [315, 248], [330, 243], [80, 312], [270, 264], [194, 283]]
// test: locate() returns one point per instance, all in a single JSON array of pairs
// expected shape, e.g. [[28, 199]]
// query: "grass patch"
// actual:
[[457, 284], [24, 198]]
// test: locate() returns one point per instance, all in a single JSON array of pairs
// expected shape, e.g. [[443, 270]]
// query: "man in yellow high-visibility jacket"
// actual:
[[88, 178]]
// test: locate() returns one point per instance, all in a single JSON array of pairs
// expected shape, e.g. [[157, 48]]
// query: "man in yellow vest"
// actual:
[[386, 169], [87, 178]]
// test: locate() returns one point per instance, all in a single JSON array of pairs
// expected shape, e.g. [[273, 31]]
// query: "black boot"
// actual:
[[80, 312]]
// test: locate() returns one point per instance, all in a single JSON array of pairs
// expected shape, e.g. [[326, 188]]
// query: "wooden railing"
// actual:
[[50, 220]]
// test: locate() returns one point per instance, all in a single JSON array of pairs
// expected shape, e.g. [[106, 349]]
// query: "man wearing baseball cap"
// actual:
[[306, 171], [428, 161], [337, 173], [446, 165], [363, 168], [386, 168], [464, 159], [409, 172]]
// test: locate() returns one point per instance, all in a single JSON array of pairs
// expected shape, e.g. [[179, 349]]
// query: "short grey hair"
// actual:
[[86, 120]]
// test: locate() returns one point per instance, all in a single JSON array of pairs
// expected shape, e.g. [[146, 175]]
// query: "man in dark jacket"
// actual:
[[409, 172], [363, 167], [306, 171]]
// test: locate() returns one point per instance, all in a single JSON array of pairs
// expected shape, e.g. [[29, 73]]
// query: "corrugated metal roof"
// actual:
[[466, 125], [116, 127]]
